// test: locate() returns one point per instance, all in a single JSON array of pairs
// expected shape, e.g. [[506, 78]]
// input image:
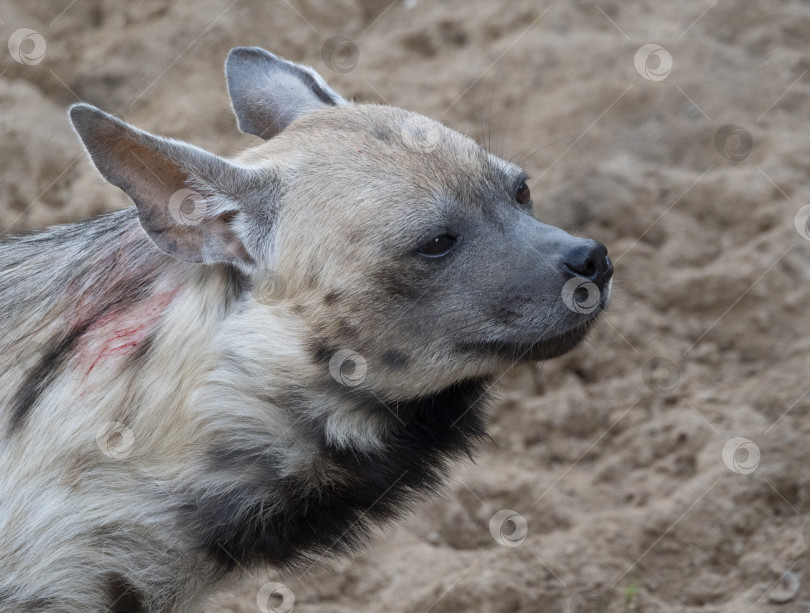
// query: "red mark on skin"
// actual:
[[117, 334]]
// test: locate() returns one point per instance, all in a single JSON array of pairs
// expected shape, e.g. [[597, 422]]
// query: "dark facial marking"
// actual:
[[123, 597], [395, 359]]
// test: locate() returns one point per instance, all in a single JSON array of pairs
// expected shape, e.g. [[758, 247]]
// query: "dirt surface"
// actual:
[[618, 459]]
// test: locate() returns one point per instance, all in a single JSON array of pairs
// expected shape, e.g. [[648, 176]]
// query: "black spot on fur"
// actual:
[[320, 350], [123, 597], [331, 298], [395, 359], [396, 282], [266, 518], [381, 134]]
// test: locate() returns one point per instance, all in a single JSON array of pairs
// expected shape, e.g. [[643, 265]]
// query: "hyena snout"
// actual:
[[588, 260]]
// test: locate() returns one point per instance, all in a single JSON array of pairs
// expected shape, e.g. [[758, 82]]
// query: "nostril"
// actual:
[[589, 260]]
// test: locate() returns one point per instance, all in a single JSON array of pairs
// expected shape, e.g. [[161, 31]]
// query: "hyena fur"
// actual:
[[260, 380]]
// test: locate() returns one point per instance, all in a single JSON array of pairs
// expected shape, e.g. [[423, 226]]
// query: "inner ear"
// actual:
[[268, 93], [186, 197]]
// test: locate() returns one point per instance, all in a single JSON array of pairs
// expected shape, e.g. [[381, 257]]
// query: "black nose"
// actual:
[[590, 261]]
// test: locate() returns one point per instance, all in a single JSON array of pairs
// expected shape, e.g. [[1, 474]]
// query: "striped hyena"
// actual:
[[266, 356]]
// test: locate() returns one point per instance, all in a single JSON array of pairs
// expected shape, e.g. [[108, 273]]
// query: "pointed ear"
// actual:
[[269, 93], [186, 197]]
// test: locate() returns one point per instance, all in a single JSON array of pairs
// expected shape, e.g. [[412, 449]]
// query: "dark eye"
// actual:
[[523, 194], [437, 246]]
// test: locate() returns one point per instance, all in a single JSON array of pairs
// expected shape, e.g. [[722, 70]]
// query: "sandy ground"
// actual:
[[619, 459]]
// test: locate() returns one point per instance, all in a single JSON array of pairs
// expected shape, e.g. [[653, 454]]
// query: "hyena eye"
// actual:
[[438, 246], [523, 194]]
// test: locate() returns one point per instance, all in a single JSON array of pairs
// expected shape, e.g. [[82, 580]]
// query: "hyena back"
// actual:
[[267, 355]]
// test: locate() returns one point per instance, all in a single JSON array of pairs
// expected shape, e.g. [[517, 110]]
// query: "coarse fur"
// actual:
[[260, 382]]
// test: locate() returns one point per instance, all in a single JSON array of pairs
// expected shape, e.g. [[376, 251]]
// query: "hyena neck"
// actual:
[[96, 315], [265, 512]]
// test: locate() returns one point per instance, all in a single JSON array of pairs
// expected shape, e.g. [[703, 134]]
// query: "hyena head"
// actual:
[[407, 253]]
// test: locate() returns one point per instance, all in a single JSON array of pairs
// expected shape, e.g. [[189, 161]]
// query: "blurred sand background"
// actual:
[[613, 454]]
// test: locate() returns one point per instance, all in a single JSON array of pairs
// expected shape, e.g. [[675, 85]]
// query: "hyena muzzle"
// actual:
[[268, 355]]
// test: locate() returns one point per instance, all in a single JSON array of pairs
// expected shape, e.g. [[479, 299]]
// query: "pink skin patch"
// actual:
[[118, 334]]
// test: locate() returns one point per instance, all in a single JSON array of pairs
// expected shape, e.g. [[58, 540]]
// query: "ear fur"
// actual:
[[268, 93], [184, 194]]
